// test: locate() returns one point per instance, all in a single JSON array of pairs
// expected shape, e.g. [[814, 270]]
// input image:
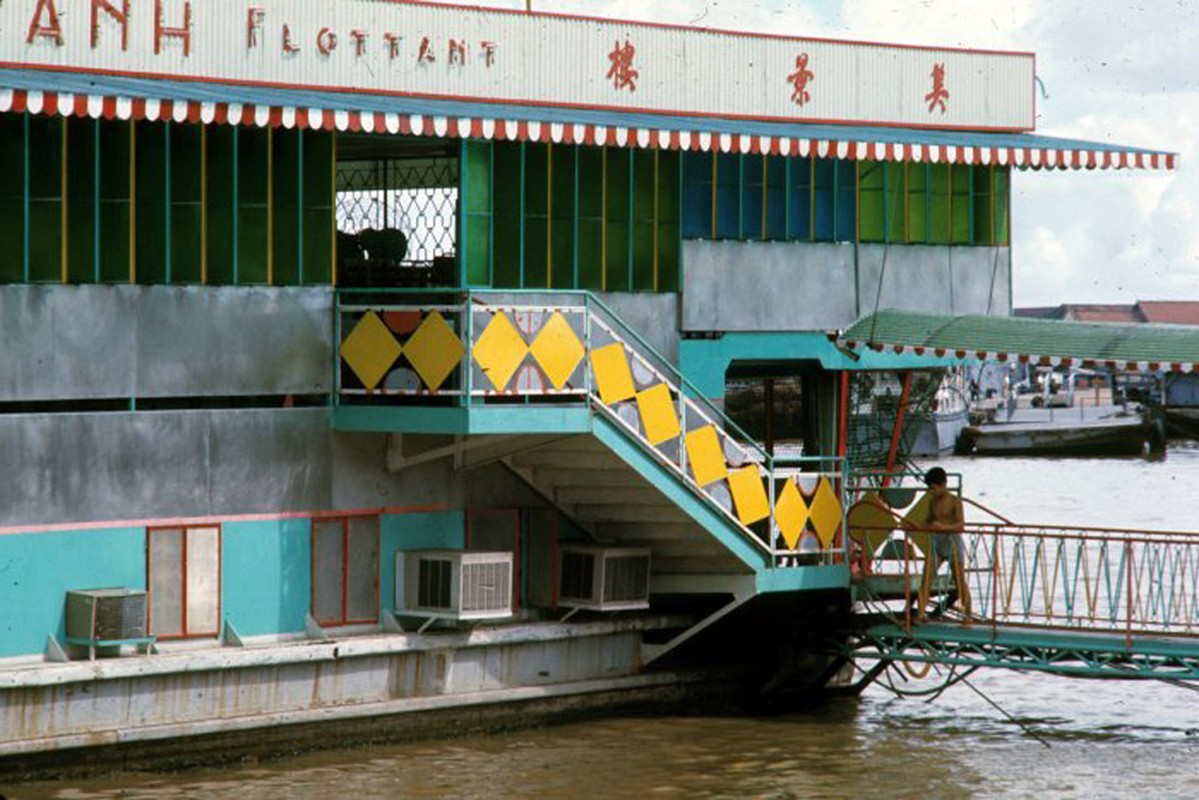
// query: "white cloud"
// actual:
[[1113, 71]]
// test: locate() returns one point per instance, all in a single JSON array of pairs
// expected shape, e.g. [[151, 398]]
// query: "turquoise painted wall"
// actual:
[[443, 529], [37, 569], [266, 584]]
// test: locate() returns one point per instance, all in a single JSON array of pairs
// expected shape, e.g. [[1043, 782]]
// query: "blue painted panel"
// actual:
[[266, 581], [37, 569], [697, 195], [439, 530]]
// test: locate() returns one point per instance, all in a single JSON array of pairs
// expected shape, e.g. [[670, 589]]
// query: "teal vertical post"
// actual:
[[574, 281], [491, 213], [166, 172], [788, 190], [468, 328], [522, 215], [836, 194], [25, 204], [236, 203], [300, 207], [632, 216], [886, 217], [96, 205], [462, 215], [741, 196]]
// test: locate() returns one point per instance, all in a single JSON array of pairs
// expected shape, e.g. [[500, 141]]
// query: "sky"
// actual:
[[1120, 71]]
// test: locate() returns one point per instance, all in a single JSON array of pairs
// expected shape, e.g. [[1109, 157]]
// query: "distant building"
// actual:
[[1170, 312]]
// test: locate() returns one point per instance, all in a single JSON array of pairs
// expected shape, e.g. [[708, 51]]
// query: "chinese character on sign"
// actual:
[[799, 79], [621, 72], [457, 51], [939, 94], [488, 52]]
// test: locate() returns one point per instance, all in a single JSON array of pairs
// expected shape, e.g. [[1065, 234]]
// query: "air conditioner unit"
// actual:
[[454, 584], [604, 578], [106, 614]]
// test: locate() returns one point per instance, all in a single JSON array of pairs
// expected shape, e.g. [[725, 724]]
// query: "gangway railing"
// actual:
[[1122, 581], [479, 350]]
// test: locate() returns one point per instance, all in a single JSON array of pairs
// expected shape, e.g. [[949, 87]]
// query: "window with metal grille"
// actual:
[[183, 572], [397, 212], [345, 570]]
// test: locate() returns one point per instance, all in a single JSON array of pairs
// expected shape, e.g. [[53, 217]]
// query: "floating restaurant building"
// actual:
[[388, 365]]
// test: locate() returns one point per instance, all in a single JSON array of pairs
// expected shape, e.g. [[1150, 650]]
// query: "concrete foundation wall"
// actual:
[[185, 693], [778, 286]]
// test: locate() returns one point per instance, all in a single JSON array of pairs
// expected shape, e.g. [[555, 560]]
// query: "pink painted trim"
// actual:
[[176, 522]]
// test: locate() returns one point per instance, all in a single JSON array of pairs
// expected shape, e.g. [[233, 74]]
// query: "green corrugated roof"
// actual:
[[1103, 343]]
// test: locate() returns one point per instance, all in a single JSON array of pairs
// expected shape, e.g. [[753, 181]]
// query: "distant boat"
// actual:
[[1131, 435]]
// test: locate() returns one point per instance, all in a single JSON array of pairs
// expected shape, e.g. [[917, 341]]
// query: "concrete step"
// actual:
[[568, 460], [619, 512], [601, 495], [549, 479], [650, 531]]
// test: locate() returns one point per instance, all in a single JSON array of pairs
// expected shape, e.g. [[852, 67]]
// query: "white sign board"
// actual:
[[497, 56]]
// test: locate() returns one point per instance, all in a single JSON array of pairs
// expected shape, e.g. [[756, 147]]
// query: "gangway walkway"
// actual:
[[1091, 602]]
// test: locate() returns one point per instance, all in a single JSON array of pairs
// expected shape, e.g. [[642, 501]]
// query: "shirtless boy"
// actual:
[[945, 521]]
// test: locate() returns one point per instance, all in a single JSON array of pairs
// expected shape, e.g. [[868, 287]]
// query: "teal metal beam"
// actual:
[[1072, 653], [474, 419]]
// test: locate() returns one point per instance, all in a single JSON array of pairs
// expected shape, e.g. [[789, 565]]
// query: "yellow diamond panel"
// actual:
[[434, 350], [915, 519], [749, 494], [826, 512], [612, 374], [370, 350], [500, 351], [658, 416], [791, 513], [870, 523], [557, 350], [705, 456]]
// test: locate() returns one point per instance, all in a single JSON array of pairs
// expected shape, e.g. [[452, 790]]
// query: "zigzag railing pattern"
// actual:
[[550, 348]]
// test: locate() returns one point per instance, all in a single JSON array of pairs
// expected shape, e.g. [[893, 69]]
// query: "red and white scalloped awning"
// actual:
[[252, 106]]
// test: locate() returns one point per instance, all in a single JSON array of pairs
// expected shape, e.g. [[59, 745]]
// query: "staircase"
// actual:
[[600, 425]]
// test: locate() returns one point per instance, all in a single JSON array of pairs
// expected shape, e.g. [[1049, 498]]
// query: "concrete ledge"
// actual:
[[306, 652]]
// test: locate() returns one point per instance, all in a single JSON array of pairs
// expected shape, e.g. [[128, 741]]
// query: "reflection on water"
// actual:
[[1106, 739]]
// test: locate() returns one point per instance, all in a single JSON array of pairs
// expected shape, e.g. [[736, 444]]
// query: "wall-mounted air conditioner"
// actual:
[[103, 619], [454, 584], [604, 578]]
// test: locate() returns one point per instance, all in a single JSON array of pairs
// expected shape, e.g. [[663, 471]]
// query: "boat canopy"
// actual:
[[1138, 347], [120, 97]]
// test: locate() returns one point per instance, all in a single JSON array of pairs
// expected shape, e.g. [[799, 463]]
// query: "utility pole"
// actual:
[[528, 6]]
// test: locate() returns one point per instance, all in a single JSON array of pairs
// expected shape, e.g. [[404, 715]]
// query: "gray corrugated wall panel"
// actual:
[[231, 341], [94, 467], [66, 342], [767, 286], [87, 342]]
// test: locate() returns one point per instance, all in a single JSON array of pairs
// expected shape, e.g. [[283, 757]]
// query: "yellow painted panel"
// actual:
[[826, 512], [705, 455], [791, 513], [434, 350], [370, 350], [612, 374], [917, 517], [870, 522], [749, 494], [500, 351], [658, 415], [558, 350]]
